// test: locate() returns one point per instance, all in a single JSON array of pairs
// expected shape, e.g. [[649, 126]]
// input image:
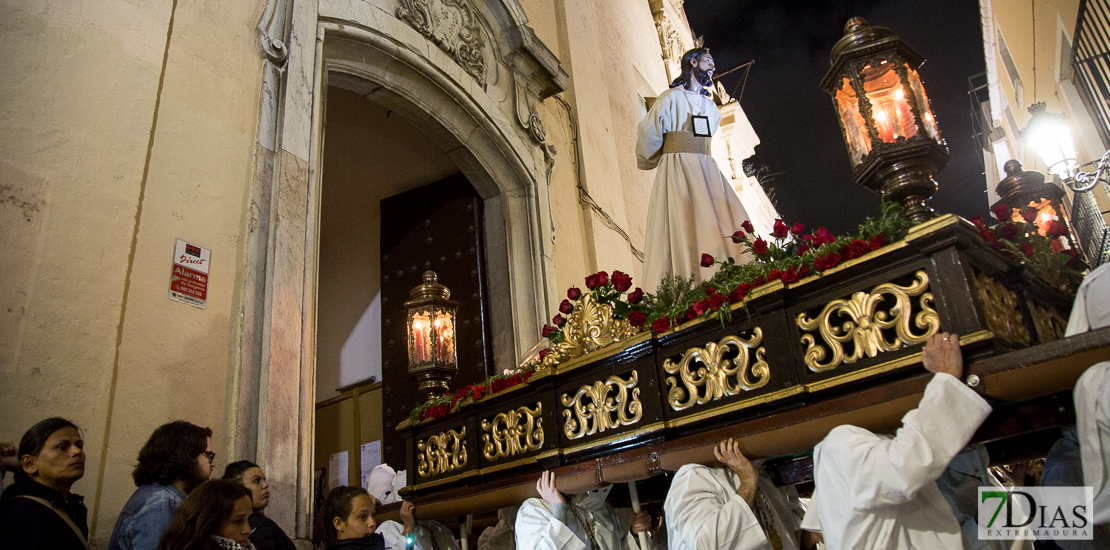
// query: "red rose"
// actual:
[[621, 281], [710, 291], [757, 282], [759, 246], [987, 235], [716, 300], [854, 249], [700, 307], [527, 375], [636, 319], [559, 321], [661, 324], [747, 225], [828, 261], [1056, 229], [597, 280], [739, 293], [997, 245], [1003, 212], [707, 260], [636, 296], [978, 221], [804, 271], [791, 276], [549, 331], [1030, 215], [802, 249], [574, 292], [797, 228], [1010, 230], [738, 237], [477, 391], [877, 242], [780, 230], [774, 275], [1027, 249], [565, 307], [543, 353], [421, 414], [823, 236]]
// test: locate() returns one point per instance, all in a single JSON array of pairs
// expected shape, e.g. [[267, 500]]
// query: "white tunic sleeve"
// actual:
[[703, 514], [537, 529], [649, 137], [880, 471], [391, 532]]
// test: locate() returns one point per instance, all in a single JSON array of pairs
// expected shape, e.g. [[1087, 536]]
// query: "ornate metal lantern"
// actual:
[[430, 322], [1026, 190], [892, 136]]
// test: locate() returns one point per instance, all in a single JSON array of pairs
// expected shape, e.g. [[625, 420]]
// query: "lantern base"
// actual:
[[903, 173], [433, 382]]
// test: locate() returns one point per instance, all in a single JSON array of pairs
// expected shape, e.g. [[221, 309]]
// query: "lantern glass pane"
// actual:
[[445, 336], [890, 107], [855, 128], [923, 107], [420, 338]]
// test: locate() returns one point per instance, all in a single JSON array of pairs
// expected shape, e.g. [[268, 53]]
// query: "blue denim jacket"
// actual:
[[147, 513]]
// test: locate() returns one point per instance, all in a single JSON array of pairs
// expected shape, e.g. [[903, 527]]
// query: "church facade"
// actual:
[[129, 126]]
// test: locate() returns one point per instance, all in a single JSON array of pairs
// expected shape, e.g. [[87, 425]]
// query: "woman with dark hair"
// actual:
[[176, 459], [213, 517], [266, 534], [348, 515], [39, 511]]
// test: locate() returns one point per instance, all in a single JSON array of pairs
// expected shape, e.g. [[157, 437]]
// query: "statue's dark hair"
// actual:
[[171, 454], [35, 439], [338, 505], [690, 61], [235, 470], [202, 515]]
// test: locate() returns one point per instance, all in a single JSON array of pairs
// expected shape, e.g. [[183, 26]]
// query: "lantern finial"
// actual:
[[854, 24]]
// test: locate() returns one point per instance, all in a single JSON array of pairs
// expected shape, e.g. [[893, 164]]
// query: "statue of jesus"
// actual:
[[693, 208]]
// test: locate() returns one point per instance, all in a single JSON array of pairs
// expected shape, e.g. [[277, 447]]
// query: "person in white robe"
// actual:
[[880, 492], [693, 208], [585, 521], [426, 534], [711, 508], [500, 536], [1091, 311]]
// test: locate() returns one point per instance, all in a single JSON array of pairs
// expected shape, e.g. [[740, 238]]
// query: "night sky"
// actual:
[[801, 142]]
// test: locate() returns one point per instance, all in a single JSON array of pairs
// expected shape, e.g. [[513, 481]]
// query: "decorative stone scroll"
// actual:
[[1000, 308], [859, 323], [513, 432], [706, 375], [442, 453], [454, 26], [589, 327], [605, 405]]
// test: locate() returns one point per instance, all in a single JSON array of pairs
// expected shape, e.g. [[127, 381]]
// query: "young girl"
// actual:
[[266, 534], [348, 513], [213, 517]]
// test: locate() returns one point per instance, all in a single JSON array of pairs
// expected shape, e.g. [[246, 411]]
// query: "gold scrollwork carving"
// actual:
[[718, 376], [593, 410], [865, 322], [442, 453], [1050, 325], [513, 432], [1000, 308], [589, 327]]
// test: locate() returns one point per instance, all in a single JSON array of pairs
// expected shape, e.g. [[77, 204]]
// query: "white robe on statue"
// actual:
[[705, 513], [537, 528], [693, 207], [429, 535], [879, 492]]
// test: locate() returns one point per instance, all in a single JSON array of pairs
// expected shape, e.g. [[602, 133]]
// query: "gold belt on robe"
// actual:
[[686, 142]]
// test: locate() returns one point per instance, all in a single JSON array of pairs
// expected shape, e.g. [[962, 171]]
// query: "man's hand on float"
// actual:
[[408, 516], [546, 487], [942, 354], [641, 522], [728, 452]]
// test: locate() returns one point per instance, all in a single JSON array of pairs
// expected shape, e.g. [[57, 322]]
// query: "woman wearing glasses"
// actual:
[[175, 460]]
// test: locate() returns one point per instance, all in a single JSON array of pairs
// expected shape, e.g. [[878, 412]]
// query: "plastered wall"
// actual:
[[116, 137]]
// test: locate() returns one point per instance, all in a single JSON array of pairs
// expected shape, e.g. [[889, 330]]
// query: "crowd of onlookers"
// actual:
[[912, 489]]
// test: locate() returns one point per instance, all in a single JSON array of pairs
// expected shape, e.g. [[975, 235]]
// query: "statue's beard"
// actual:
[[703, 77]]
